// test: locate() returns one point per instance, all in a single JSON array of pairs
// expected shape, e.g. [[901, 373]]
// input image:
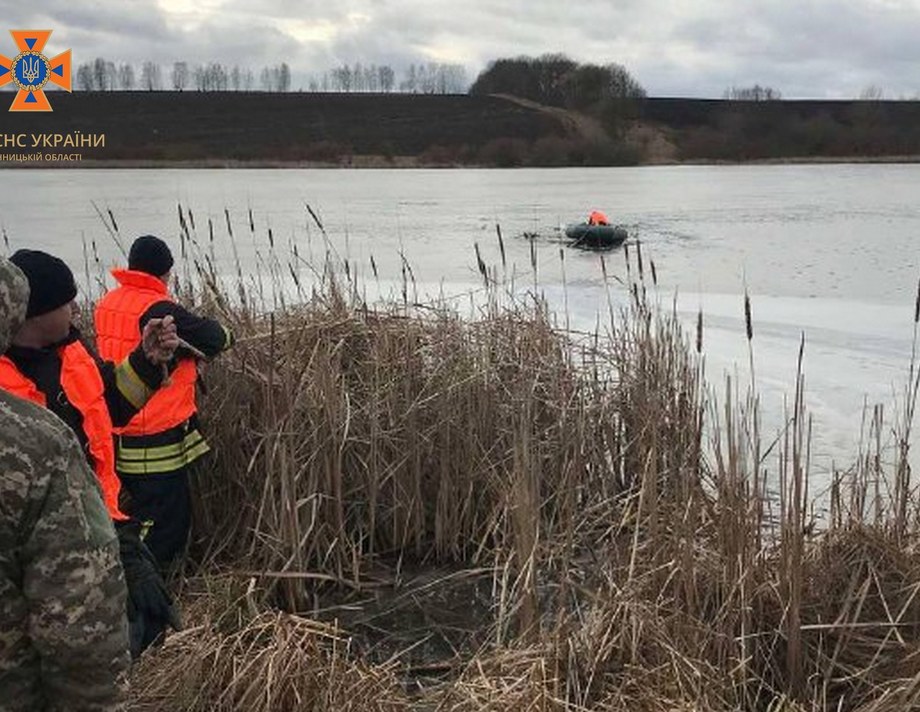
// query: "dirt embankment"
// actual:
[[234, 127], [399, 130]]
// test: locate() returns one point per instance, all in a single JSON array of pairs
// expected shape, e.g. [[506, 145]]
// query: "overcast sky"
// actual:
[[804, 48]]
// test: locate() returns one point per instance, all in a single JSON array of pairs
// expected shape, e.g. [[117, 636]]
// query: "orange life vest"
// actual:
[[83, 386], [118, 333], [597, 218]]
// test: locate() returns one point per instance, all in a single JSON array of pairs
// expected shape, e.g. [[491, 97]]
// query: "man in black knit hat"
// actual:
[[49, 364], [155, 450]]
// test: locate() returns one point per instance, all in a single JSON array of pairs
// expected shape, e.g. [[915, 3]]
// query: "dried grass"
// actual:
[[623, 537]]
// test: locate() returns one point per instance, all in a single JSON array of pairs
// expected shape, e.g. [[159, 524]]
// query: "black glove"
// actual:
[[150, 606]]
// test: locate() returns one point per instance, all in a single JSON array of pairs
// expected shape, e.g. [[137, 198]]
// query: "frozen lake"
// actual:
[[828, 250]]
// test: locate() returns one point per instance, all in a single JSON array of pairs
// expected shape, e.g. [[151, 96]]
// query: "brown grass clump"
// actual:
[[276, 662]]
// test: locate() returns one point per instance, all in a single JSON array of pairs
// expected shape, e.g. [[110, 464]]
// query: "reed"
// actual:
[[410, 508]]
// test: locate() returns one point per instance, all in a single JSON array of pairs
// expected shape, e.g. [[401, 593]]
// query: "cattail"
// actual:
[[654, 273], [699, 331], [408, 266], [482, 265], [916, 304], [85, 257], [501, 244], [604, 267], [639, 257], [191, 218], [229, 225], [314, 216], [112, 218], [374, 267], [294, 276], [252, 224], [271, 239], [747, 316]]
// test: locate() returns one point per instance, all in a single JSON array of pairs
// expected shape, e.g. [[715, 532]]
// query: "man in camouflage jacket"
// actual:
[[63, 630]]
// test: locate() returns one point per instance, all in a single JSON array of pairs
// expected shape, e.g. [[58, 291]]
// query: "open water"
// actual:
[[828, 251]]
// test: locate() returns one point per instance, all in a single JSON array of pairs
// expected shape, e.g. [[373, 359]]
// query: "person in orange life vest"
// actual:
[[50, 364], [156, 449], [597, 218]]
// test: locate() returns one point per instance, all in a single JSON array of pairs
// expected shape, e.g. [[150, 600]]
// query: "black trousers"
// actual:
[[163, 504]]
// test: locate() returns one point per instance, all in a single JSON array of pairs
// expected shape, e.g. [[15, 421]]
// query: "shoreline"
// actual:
[[410, 162]]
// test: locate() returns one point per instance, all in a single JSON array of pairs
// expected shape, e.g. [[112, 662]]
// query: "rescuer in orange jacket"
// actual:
[[50, 364], [155, 449], [597, 218]]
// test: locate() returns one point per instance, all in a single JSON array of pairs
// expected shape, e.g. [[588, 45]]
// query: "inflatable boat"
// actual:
[[596, 236]]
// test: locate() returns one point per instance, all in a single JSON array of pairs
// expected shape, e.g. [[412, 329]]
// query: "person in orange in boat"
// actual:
[[597, 218]]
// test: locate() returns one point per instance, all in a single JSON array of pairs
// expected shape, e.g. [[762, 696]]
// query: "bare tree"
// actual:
[[622, 85], [873, 92], [386, 78], [126, 77], [85, 77], [198, 77], [151, 80], [99, 74], [448, 78], [342, 78], [410, 83], [284, 77], [370, 78], [236, 78], [180, 76], [217, 77], [428, 77], [357, 77]]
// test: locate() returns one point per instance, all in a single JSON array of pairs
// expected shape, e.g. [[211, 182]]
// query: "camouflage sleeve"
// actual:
[[74, 586]]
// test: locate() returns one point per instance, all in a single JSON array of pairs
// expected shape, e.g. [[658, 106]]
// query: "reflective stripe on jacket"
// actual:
[[117, 317], [152, 455], [83, 386]]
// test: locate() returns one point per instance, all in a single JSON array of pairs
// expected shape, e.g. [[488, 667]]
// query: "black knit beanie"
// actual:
[[51, 283], [151, 255]]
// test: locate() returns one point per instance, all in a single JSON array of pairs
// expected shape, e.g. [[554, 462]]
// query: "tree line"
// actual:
[[430, 78], [105, 75], [752, 93]]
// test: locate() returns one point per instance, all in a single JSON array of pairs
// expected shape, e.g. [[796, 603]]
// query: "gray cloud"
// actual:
[[805, 48]]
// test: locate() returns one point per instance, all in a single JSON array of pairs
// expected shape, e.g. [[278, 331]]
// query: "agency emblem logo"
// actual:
[[30, 70]]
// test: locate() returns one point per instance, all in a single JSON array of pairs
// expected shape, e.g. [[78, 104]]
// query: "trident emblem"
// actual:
[[30, 70]]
